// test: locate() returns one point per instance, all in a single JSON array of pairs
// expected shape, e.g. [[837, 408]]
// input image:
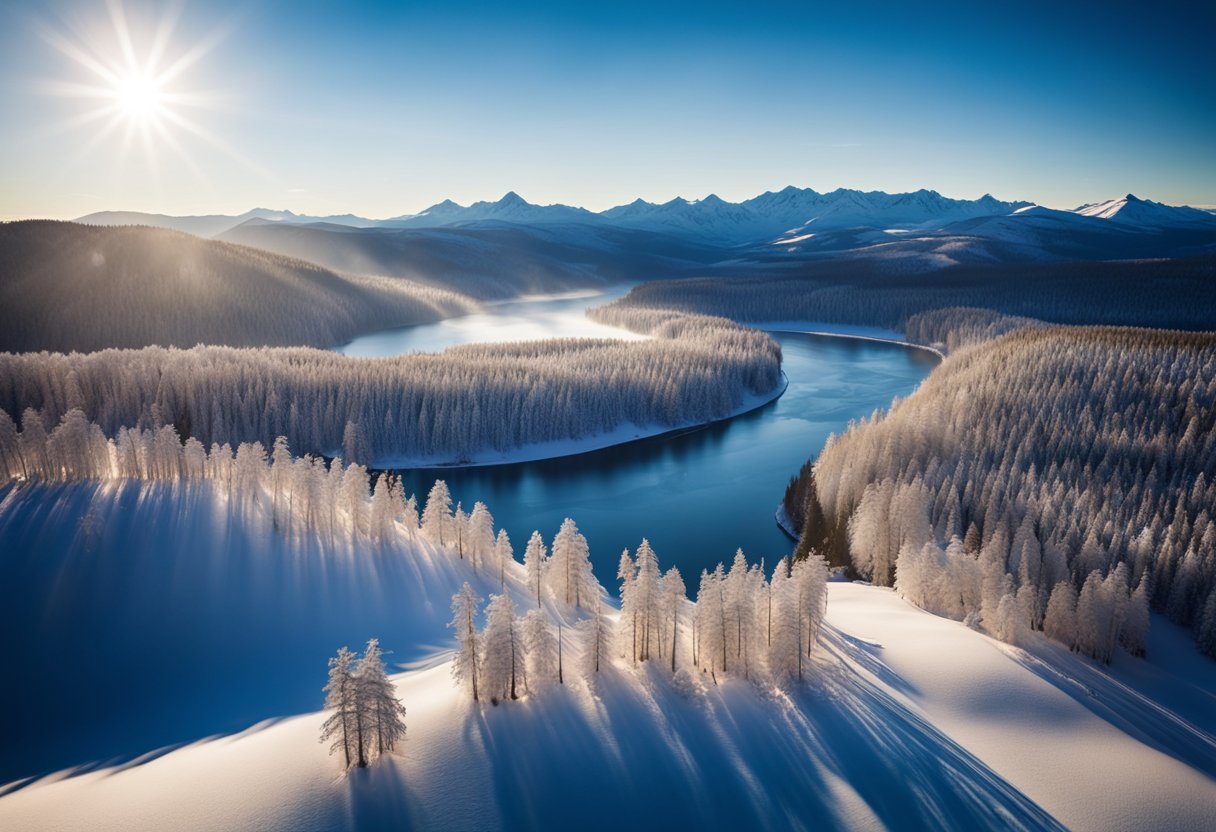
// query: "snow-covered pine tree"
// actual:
[[646, 600], [1060, 620], [380, 518], [503, 554], [568, 571], [535, 555], [502, 662], [711, 621], [540, 650], [480, 536], [468, 648], [785, 656], [626, 572], [437, 515], [383, 713], [341, 697], [673, 593], [458, 532], [596, 632], [1134, 632]]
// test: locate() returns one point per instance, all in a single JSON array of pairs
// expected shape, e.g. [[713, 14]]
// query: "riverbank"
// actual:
[[860, 333], [623, 435]]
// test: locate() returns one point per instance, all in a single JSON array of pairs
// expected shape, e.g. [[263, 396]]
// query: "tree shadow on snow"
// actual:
[[640, 753]]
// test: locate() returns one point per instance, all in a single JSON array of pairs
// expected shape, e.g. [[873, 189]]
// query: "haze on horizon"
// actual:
[[381, 109]]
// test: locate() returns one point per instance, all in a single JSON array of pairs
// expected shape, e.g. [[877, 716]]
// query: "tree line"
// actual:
[[444, 406]]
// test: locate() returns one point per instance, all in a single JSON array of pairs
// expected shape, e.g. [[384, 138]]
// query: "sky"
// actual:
[[383, 108]]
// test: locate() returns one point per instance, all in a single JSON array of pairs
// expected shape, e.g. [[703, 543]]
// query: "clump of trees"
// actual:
[[70, 287], [447, 405], [1056, 479], [741, 624], [367, 719]]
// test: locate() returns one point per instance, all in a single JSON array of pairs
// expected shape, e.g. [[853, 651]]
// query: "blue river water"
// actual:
[[696, 496]]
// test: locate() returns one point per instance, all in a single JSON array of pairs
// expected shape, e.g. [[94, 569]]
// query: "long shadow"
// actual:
[[1121, 705], [911, 775], [150, 617], [736, 757]]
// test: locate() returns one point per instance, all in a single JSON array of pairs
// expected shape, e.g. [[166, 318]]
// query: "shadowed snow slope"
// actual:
[[909, 721]]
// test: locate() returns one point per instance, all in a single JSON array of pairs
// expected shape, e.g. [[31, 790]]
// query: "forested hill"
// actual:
[[1046, 460], [69, 287], [1176, 294], [487, 260]]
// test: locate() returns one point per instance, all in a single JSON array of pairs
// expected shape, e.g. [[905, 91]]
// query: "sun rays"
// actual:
[[134, 79]]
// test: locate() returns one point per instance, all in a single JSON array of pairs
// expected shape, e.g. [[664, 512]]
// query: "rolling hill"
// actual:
[[65, 286]]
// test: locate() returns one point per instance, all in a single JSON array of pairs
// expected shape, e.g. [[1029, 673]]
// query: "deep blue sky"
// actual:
[[383, 108]]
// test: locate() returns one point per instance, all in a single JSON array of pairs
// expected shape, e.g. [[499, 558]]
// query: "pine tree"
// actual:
[[502, 661], [1060, 621], [468, 649], [596, 632], [568, 570], [341, 696], [437, 515], [646, 601], [385, 715], [626, 572], [480, 543], [673, 592], [1134, 632], [503, 554], [540, 648], [535, 557]]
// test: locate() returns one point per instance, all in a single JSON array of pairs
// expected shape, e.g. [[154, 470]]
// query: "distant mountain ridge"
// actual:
[[790, 216]]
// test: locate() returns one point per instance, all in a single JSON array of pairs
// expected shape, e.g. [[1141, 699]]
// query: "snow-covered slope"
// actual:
[[909, 722], [1145, 213]]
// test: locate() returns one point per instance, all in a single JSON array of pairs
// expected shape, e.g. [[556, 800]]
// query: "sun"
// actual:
[[130, 74], [139, 97]]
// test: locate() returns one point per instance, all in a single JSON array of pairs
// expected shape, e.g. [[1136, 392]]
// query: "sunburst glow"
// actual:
[[134, 78], [139, 97]]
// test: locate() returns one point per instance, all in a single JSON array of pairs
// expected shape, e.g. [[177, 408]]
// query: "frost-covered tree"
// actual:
[[503, 555], [480, 536], [711, 621], [468, 648], [535, 558], [641, 602], [380, 712], [568, 569], [342, 697], [540, 650], [673, 597], [597, 637], [502, 644], [1060, 620], [437, 515], [381, 513], [785, 654]]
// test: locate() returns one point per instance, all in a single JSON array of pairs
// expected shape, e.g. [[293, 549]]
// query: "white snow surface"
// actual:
[[909, 721]]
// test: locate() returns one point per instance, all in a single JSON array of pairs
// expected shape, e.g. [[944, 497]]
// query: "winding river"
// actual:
[[698, 495]]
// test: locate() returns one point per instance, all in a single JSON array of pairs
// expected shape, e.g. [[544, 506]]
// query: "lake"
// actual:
[[698, 495]]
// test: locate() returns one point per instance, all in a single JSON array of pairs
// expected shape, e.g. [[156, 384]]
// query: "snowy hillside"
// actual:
[[221, 628]]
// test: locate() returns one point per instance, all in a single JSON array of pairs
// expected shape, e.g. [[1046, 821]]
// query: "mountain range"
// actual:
[[791, 222]]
